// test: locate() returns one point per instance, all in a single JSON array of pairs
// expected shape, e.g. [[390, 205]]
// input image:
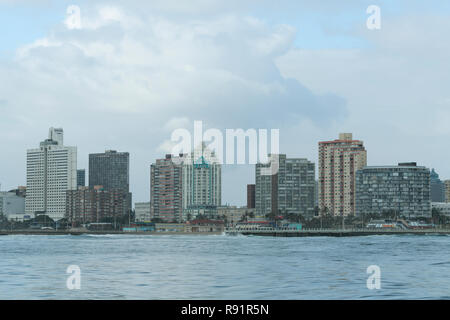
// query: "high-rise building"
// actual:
[[437, 187], [142, 211], [403, 189], [166, 189], [111, 170], [338, 162], [81, 178], [290, 190], [51, 171], [87, 205], [202, 181], [251, 196]]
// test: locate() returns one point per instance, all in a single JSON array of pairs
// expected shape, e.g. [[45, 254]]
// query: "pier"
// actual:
[[273, 232]]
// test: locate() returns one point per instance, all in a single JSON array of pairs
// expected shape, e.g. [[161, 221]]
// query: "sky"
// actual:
[[134, 71]]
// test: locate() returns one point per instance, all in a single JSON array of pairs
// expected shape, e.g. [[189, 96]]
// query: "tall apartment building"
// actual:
[[404, 189], [86, 205], [251, 196], [81, 178], [338, 162], [166, 189], [290, 190], [111, 170], [202, 181], [51, 171], [437, 187]]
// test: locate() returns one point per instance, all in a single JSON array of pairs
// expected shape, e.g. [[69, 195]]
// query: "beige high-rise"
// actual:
[[338, 162]]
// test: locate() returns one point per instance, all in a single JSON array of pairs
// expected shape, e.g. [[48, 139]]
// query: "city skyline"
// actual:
[[265, 49]]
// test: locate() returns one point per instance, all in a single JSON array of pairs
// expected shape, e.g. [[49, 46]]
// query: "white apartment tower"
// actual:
[[201, 179], [51, 171]]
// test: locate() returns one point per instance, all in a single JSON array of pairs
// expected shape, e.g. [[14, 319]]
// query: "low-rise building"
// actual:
[[204, 225], [443, 207], [142, 211], [232, 214], [12, 206], [96, 205]]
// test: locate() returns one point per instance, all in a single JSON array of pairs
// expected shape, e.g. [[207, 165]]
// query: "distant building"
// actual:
[[443, 207], [51, 171], [251, 196], [11, 205], [338, 162], [112, 171], [81, 178], [404, 189], [235, 214], [142, 211], [202, 180], [87, 205], [291, 190], [447, 190], [437, 187], [21, 191], [166, 189]]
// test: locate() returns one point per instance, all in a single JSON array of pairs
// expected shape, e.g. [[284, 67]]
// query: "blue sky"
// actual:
[[309, 68]]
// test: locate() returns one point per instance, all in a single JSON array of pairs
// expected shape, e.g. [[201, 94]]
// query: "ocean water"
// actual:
[[224, 267]]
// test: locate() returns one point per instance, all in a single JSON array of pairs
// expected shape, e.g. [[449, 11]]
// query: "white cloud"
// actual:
[[125, 78]]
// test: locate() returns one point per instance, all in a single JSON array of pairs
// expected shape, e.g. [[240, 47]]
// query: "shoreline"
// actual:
[[78, 233], [261, 233]]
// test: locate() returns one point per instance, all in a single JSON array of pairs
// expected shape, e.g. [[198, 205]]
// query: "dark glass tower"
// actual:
[[110, 170]]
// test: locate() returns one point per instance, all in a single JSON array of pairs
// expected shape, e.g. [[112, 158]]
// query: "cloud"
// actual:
[[396, 89], [126, 78]]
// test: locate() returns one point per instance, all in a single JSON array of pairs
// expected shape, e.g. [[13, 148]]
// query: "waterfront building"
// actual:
[[96, 205], [251, 196], [11, 205], [142, 211], [81, 178], [437, 187], [403, 189], [51, 171], [338, 162], [290, 190], [111, 170], [233, 214], [443, 207], [166, 189], [201, 181]]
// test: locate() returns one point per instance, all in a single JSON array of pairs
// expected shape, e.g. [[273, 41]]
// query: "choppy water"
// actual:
[[224, 267]]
